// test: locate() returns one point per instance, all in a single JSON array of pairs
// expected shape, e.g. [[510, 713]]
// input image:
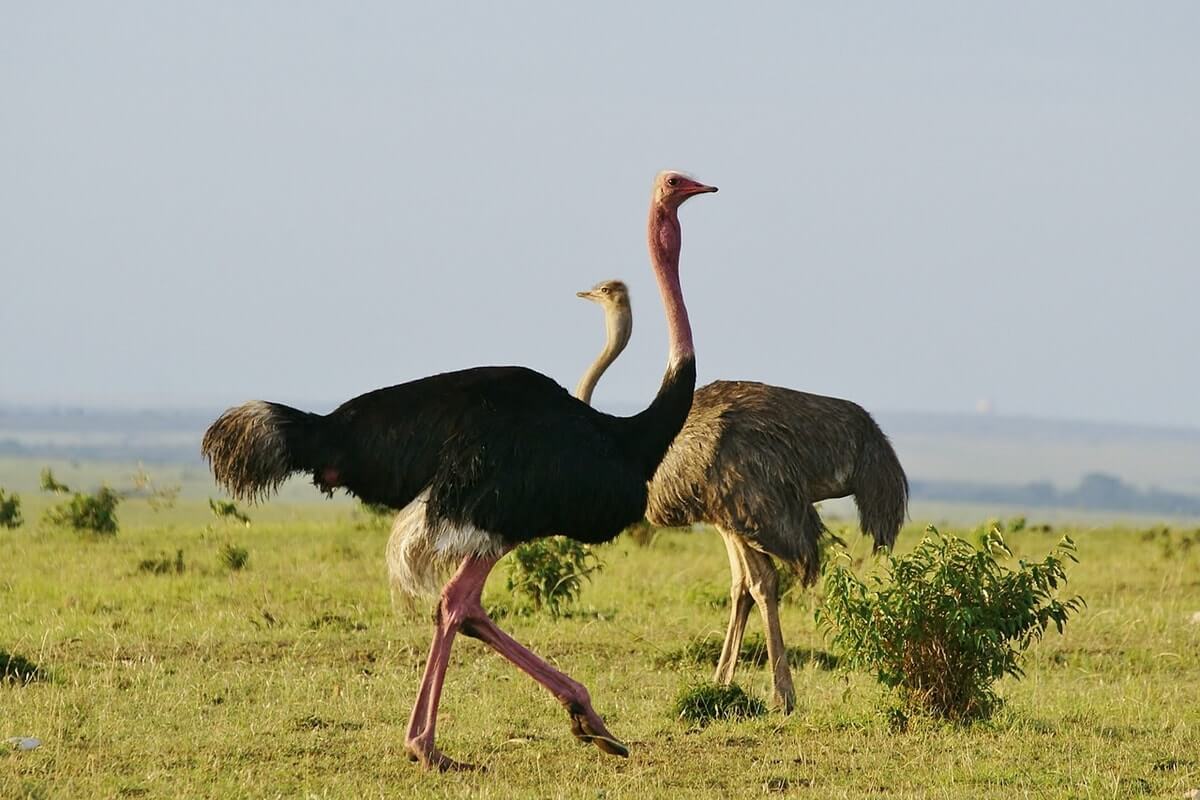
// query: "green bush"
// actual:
[[92, 513], [550, 572], [10, 510], [947, 621], [50, 484]]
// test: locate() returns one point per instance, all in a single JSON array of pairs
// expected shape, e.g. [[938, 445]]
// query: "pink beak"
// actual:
[[698, 188]]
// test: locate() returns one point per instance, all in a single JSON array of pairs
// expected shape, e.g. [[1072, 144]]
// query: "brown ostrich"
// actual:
[[751, 460]]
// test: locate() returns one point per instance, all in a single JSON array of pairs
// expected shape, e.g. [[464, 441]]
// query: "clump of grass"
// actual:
[[10, 511], [703, 703], [15, 668], [234, 557], [162, 565], [550, 572], [947, 620]]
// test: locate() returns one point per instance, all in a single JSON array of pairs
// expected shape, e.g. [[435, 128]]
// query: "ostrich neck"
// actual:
[[618, 325], [665, 240], [651, 432]]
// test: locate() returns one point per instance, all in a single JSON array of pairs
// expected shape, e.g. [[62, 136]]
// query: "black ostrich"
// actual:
[[479, 461], [751, 460]]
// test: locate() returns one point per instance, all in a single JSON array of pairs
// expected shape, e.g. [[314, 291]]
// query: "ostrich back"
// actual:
[[753, 458]]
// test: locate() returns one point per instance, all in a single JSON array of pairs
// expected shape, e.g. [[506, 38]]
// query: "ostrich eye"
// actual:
[[605, 289], [672, 181]]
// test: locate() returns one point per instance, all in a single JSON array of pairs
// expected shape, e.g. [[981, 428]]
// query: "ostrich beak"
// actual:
[[700, 188], [588, 295]]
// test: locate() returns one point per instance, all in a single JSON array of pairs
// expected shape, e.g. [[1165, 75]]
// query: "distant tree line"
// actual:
[[1096, 492]]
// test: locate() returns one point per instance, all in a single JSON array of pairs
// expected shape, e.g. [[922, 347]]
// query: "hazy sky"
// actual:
[[921, 206]]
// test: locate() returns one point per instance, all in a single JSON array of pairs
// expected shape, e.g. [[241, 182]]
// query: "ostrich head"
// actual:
[[609, 294], [613, 297], [672, 188]]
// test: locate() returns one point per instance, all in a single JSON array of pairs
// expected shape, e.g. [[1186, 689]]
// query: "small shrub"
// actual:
[[92, 513], [948, 621], [163, 565], [550, 572], [10, 510], [227, 510], [703, 703], [50, 484], [234, 557]]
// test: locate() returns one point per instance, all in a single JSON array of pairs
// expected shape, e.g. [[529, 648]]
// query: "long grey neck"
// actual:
[[618, 325]]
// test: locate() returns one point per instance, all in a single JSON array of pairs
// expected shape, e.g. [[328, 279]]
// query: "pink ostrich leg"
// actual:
[[461, 608], [460, 592]]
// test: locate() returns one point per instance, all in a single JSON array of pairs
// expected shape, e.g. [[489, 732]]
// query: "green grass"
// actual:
[[294, 677]]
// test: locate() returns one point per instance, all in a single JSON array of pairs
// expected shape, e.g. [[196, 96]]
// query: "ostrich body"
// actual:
[[751, 460], [477, 462]]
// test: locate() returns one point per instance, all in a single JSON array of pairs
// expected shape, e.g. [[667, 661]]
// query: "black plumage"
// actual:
[[504, 449]]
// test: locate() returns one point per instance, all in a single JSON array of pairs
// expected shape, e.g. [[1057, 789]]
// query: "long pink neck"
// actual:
[[665, 240]]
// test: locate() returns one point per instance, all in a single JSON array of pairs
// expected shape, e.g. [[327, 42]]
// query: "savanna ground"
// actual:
[[294, 676]]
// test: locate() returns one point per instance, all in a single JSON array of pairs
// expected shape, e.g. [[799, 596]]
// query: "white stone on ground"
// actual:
[[24, 742]]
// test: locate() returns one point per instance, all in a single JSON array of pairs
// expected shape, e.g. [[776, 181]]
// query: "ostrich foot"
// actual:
[[588, 727], [430, 758]]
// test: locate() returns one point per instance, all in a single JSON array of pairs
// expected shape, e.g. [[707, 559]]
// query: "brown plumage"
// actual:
[[751, 460]]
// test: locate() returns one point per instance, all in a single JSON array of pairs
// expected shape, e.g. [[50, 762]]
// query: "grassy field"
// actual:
[[294, 677]]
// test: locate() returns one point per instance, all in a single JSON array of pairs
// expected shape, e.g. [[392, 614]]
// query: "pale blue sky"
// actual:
[[921, 205]]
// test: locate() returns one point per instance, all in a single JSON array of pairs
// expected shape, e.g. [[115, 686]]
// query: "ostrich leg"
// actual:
[[764, 588], [460, 608], [464, 588], [740, 603], [586, 724]]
